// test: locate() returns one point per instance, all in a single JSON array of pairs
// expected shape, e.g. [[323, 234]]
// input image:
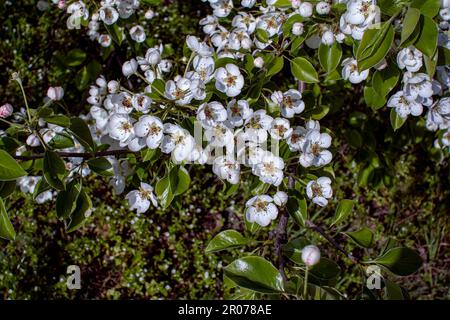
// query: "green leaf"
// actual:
[[401, 261], [183, 180], [431, 63], [374, 46], [373, 99], [7, 188], [303, 70], [297, 207], [6, 228], [396, 121], [429, 8], [383, 81], [164, 192], [74, 57], [390, 7], [102, 166], [82, 79], [262, 35], [428, 38], [363, 237], [330, 56], [393, 291], [256, 274], [61, 141], [226, 240], [59, 120], [293, 250], [41, 187], [342, 211], [54, 170], [283, 4], [82, 211], [66, 200], [274, 66], [9, 168], [410, 23], [325, 272], [82, 133]]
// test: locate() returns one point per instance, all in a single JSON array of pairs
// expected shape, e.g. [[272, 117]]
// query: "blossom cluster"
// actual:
[[107, 13]]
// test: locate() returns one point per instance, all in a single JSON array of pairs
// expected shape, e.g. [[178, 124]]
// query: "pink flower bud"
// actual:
[[55, 93], [6, 110]]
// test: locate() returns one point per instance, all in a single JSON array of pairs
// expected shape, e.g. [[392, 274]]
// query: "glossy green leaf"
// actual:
[[82, 133], [429, 8], [102, 166], [390, 7], [401, 261], [6, 228], [410, 22], [373, 99], [164, 192], [325, 272], [383, 81], [59, 120], [297, 207], [82, 211], [226, 240], [363, 237], [7, 188], [330, 56], [54, 170], [9, 168], [262, 35], [74, 57], [428, 38], [66, 200], [61, 141], [343, 210], [303, 70], [183, 180], [374, 46], [255, 273], [396, 121], [274, 66]]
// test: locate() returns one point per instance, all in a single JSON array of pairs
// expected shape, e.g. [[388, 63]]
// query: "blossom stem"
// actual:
[[19, 81], [305, 284]]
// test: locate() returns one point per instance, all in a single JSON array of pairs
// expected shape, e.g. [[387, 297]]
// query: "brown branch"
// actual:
[[322, 232], [85, 155]]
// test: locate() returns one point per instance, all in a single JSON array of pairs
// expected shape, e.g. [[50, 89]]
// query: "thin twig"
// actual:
[[322, 232], [85, 155]]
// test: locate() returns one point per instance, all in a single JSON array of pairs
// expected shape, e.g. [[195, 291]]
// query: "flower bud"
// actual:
[[113, 86], [280, 198], [55, 93], [306, 9], [297, 29], [328, 38], [258, 62], [6, 110], [323, 8], [310, 255], [129, 67], [33, 141]]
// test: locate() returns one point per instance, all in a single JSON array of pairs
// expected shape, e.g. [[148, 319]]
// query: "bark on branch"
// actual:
[[84, 155]]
